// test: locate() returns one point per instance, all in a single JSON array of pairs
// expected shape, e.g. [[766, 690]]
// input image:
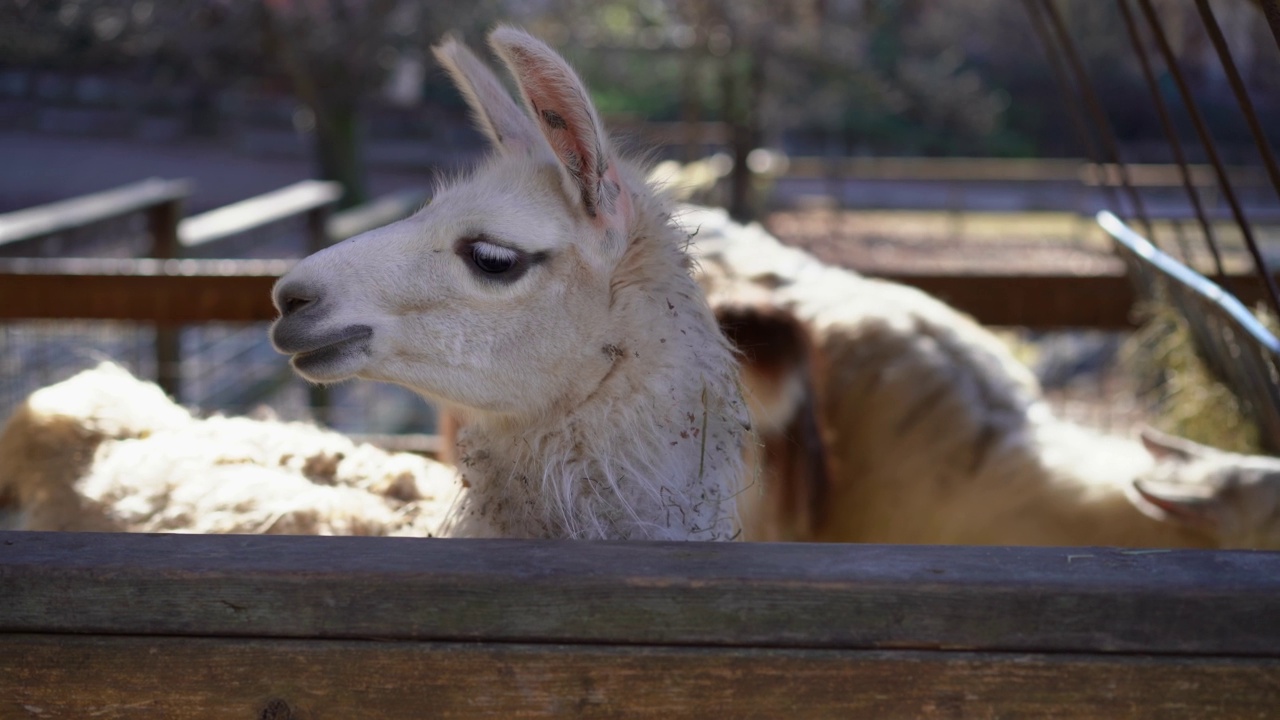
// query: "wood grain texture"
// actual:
[[239, 290], [1040, 301], [163, 291], [186, 678], [775, 595]]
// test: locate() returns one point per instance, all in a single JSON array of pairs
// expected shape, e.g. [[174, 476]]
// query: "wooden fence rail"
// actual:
[[182, 626], [31, 232], [1007, 170], [170, 294], [20, 229], [310, 198], [193, 291]]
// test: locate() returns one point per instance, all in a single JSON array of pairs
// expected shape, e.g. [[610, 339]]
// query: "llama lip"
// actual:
[[290, 339], [328, 359]]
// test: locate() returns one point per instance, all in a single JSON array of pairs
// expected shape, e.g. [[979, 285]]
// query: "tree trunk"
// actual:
[[329, 90], [691, 105], [338, 150], [743, 84]]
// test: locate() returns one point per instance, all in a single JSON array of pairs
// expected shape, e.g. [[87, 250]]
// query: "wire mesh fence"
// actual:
[[225, 368]]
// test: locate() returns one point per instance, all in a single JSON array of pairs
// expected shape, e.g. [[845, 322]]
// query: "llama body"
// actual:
[[935, 433], [104, 451], [547, 300]]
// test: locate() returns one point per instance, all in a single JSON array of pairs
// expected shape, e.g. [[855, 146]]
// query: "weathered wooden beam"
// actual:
[[1003, 170], [375, 213], [73, 676], [34, 223], [239, 291], [162, 291], [1036, 301], [1087, 600], [237, 218]]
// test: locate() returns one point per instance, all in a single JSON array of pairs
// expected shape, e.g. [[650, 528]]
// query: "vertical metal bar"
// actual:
[[1171, 132], [1202, 129], [162, 223], [1073, 109], [1242, 95], [1271, 8], [1105, 133]]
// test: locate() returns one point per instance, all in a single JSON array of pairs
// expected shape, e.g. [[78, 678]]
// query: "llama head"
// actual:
[[496, 297], [1232, 498]]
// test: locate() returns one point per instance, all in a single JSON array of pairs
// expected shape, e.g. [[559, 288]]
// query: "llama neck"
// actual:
[[653, 451]]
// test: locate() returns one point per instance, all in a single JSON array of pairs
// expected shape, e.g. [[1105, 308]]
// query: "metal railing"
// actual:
[[1235, 346], [1233, 343]]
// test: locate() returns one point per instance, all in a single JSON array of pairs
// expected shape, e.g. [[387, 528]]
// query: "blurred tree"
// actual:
[[836, 77], [330, 50], [334, 54], [338, 52]]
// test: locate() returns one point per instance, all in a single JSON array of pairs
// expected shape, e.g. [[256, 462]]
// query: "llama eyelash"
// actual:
[[490, 262], [495, 254]]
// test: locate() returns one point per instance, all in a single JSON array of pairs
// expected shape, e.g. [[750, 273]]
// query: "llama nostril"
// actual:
[[293, 297], [294, 304]]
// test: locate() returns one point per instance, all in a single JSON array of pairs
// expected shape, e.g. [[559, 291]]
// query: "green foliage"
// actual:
[[903, 77]]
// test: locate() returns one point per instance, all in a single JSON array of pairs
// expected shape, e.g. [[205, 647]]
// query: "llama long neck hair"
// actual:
[[650, 449]]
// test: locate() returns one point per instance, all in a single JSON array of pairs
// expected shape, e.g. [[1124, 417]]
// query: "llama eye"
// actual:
[[493, 259]]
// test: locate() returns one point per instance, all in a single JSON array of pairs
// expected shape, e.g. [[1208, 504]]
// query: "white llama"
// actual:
[[932, 432], [547, 300]]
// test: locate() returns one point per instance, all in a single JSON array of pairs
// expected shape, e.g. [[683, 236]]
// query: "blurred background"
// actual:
[[924, 141]]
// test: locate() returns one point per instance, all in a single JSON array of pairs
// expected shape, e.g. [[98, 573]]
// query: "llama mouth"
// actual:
[[337, 359]]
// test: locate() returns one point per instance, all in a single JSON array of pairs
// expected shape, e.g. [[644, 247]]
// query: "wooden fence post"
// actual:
[[162, 222], [320, 398]]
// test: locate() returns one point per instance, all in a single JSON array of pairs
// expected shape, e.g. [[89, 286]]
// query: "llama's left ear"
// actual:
[[1199, 508], [563, 112], [496, 113], [1164, 446]]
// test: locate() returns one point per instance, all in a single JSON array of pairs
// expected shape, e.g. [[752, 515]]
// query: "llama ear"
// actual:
[[1164, 446], [563, 112], [1199, 508], [495, 111]]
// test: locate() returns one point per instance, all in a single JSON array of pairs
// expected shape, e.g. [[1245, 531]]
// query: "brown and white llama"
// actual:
[[546, 299], [934, 432]]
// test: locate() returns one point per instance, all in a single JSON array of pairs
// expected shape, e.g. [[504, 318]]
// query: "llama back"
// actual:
[[938, 435], [907, 389]]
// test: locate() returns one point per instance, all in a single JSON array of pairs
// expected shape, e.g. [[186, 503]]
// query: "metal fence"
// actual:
[[1235, 346]]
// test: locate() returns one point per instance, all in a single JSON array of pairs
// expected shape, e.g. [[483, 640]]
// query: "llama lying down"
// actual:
[[934, 432], [547, 300], [105, 451]]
